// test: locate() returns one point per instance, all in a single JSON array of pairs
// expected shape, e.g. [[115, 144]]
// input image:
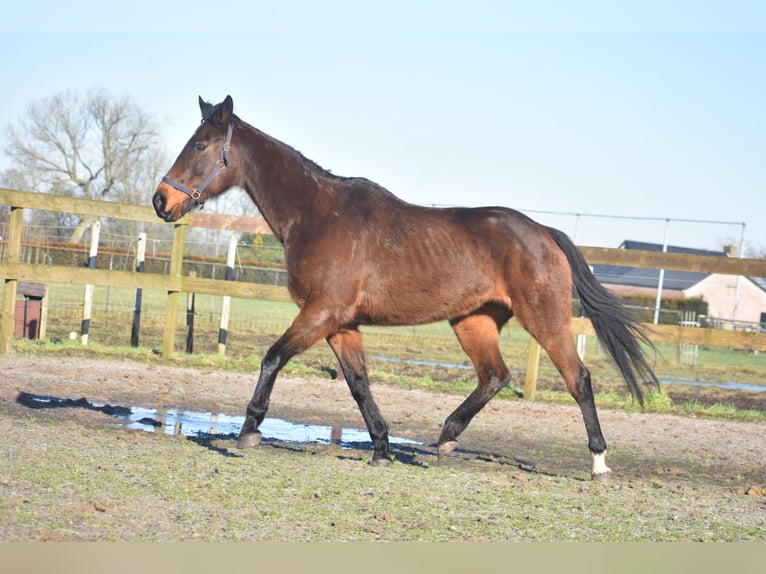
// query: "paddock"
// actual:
[[519, 473]]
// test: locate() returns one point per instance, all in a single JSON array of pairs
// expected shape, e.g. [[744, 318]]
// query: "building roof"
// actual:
[[638, 277], [760, 281]]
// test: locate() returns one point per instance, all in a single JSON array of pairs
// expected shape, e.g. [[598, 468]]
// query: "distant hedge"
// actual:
[[677, 307]]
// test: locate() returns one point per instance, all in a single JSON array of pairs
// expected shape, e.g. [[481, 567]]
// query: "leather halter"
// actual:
[[196, 193]]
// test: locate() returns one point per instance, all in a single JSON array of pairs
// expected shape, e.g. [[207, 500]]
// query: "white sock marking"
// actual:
[[599, 463]]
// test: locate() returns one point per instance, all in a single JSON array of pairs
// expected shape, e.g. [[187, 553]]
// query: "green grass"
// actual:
[[107, 484]]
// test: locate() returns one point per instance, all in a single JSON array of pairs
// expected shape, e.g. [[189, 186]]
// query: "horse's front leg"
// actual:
[[302, 334], [347, 345], [272, 363]]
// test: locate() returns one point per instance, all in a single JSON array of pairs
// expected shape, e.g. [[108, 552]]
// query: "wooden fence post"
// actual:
[[87, 306], [533, 365], [12, 255], [171, 307], [226, 304]]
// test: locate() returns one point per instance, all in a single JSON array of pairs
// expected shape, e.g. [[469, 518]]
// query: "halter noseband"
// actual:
[[196, 192]]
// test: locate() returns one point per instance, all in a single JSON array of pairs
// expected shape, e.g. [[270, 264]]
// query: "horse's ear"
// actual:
[[206, 109], [223, 112]]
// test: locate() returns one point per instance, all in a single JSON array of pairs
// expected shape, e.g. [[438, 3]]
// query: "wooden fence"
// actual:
[[174, 283]]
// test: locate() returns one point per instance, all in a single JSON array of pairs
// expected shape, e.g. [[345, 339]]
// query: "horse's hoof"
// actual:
[[445, 448], [249, 440], [384, 462], [601, 476]]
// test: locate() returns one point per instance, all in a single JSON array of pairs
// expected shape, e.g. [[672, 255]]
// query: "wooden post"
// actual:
[[140, 260], [87, 306], [226, 304], [12, 253], [190, 319], [171, 307], [43, 316], [533, 365]]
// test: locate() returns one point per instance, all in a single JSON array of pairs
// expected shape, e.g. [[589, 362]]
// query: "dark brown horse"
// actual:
[[358, 255]]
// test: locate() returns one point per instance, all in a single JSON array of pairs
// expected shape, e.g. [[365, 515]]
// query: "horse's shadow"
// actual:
[[410, 454], [406, 453]]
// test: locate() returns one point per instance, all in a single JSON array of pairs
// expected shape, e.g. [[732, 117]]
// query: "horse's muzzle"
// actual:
[[159, 201]]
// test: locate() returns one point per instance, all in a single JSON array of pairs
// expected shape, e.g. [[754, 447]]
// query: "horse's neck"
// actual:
[[279, 180]]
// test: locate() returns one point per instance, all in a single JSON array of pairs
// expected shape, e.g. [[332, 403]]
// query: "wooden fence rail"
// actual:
[[174, 283]]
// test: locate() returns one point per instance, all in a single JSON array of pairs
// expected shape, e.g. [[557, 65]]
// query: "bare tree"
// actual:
[[98, 145]]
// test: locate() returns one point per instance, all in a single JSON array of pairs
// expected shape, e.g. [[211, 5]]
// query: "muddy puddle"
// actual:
[[196, 423]]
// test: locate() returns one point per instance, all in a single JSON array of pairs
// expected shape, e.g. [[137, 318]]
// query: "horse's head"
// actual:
[[200, 172]]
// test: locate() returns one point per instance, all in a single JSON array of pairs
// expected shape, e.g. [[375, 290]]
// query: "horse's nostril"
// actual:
[[159, 203]]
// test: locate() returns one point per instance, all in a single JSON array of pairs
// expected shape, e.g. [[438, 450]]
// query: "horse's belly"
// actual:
[[420, 304]]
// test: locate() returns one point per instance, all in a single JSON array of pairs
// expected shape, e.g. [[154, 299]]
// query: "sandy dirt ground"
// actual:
[[543, 438]]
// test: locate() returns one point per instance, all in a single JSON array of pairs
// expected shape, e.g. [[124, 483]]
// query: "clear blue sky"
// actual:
[[653, 111]]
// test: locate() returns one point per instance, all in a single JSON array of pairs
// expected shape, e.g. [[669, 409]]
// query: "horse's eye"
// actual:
[[200, 146]]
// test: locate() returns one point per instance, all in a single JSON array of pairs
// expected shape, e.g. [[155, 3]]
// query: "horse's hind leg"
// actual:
[[596, 442], [555, 337], [479, 335], [347, 345], [577, 378]]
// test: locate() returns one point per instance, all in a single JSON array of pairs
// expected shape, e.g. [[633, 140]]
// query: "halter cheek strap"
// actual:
[[196, 193]]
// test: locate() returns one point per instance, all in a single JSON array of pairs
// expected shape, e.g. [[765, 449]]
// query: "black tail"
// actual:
[[617, 331]]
